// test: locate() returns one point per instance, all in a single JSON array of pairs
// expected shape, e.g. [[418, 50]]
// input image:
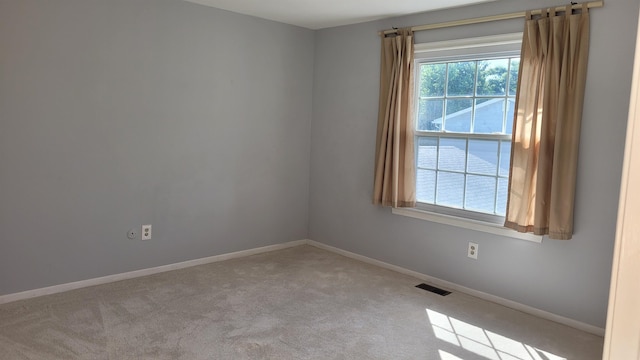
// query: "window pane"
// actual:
[[511, 103], [513, 76], [458, 117], [430, 115], [432, 77], [505, 157], [461, 78], [450, 189], [489, 116], [461, 103], [501, 203], [426, 186], [483, 157], [427, 152], [492, 77], [480, 193], [453, 154]]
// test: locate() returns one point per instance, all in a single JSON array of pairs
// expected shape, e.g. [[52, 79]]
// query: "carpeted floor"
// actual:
[[297, 303]]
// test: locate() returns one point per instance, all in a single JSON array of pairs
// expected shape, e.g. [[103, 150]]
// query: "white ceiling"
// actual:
[[315, 14]]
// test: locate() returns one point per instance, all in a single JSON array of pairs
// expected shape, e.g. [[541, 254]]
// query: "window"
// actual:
[[465, 102]]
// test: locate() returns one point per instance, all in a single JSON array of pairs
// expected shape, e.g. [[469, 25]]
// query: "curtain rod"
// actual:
[[515, 15]]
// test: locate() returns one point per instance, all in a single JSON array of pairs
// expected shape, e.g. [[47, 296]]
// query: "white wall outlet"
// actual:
[[132, 234], [146, 232], [472, 251]]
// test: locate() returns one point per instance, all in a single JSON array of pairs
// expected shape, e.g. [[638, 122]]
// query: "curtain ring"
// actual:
[[528, 15]]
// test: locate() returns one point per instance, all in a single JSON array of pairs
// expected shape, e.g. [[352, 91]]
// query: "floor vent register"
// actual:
[[433, 289]]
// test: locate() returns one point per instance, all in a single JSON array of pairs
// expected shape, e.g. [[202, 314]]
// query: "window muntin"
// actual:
[[463, 141]]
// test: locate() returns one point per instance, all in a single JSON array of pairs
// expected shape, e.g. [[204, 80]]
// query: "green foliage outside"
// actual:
[[439, 82]]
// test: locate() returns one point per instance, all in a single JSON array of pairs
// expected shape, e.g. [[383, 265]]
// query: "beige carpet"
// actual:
[[297, 303]]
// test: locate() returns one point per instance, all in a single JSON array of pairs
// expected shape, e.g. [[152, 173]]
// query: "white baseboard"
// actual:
[[185, 264], [143, 272], [479, 294]]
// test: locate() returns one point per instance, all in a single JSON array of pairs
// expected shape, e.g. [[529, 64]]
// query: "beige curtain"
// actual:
[[394, 183], [546, 128]]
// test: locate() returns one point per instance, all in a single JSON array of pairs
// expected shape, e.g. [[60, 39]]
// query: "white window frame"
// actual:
[[471, 48]]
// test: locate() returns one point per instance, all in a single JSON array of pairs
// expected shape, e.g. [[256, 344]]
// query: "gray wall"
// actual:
[[118, 113], [569, 278]]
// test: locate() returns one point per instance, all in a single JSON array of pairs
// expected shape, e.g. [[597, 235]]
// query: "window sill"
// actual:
[[466, 223]]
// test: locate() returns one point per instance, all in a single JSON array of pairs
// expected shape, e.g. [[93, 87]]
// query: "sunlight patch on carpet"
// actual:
[[482, 342]]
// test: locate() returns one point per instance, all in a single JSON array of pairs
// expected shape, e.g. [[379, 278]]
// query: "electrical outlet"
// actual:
[[132, 234], [146, 232], [472, 251]]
